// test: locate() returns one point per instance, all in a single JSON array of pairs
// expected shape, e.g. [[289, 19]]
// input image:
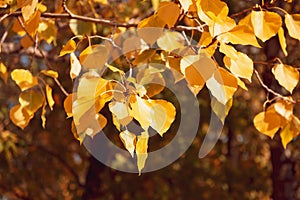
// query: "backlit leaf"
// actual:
[[168, 12], [141, 150], [151, 28], [94, 57], [79, 27], [43, 115], [171, 41], [142, 111], [186, 4], [266, 24], [28, 9], [222, 85], [283, 108], [19, 116], [291, 130], [3, 72], [292, 23], [75, 66], [267, 123], [68, 105], [163, 115], [49, 97], [220, 109], [287, 76], [47, 31], [50, 73], [237, 62], [121, 112], [69, 47], [24, 79], [129, 140], [282, 41], [31, 100]]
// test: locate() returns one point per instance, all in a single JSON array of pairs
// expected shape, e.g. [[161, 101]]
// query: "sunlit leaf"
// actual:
[[171, 41], [265, 24], [168, 12], [43, 115], [142, 111], [220, 109], [94, 57], [222, 85], [69, 47], [32, 24], [237, 62], [47, 31], [163, 115], [186, 4], [68, 105], [24, 79], [31, 100], [19, 116], [129, 140], [197, 69], [150, 29], [282, 41], [3, 72], [28, 9], [121, 112], [49, 97], [291, 130], [79, 27], [141, 150], [241, 34], [75, 66], [292, 23], [144, 56], [50, 73], [287, 76], [283, 108]]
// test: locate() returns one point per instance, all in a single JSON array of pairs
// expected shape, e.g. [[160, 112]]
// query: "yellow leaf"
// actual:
[[43, 115], [32, 24], [19, 116], [49, 97], [50, 73], [47, 31], [28, 9], [222, 85], [31, 100], [151, 28], [141, 150], [283, 108], [267, 123], [287, 76], [186, 4], [18, 28], [69, 47], [101, 1], [121, 112], [237, 62], [241, 34], [68, 105], [144, 56], [24, 79], [282, 41], [291, 130], [197, 69], [265, 24], [292, 23], [129, 140], [3, 72], [79, 27], [171, 41], [26, 42], [220, 109], [163, 115], [94, 57], [75, 66], [169, 13], [142, 111], [241, 84]]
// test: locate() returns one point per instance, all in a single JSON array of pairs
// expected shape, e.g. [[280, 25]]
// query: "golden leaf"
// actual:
[[142, 111], [168, 12], [171, 41], [283, 108], [237, 62], [32, 24], [241, 34], [69, 47], [265, 24], [75, 66], [24, 79], [94, 57], [19, 116], [287, 76], [282, 41], [129, 140], [68, 105], [291, 130], [141, 150], [79, 27], [121, 111], [50, 73], [163, 115], [3, 72], [222, 85], [49, 97], [292, 23], [186, 4], [47, 31], [220, 109], [151, 28], [43, 115], [28, 9], [31, 100]]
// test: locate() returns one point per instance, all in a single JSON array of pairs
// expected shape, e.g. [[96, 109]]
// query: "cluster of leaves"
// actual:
[[129, 97]]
